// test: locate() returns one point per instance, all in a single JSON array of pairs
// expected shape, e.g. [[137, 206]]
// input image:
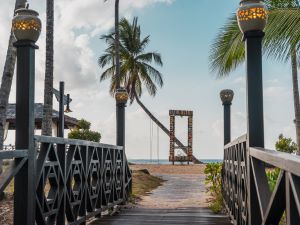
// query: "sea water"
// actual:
[[166, 161]]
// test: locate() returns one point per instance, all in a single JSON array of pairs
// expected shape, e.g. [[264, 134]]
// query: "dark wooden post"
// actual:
[[61, 151], [226, 98], [121, 97], [25, 191], [61, 123], [255, 114]]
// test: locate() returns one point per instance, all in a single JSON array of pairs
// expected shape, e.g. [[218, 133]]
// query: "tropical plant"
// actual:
[[83, 132], [213, 181], [48, 84], [136, 71], [272, 175], [281, 42], [285, 144]]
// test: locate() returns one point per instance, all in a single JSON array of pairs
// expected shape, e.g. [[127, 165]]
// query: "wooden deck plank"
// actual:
[[181, 200], [200, 216]]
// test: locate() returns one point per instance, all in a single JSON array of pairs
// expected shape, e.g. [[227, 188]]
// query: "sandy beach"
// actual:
[[171, 169], [183, 187]]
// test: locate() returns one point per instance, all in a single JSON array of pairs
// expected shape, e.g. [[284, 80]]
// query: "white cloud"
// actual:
[[78, 26]]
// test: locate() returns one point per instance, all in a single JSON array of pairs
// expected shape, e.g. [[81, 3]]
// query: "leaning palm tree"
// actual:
[[136, 71], [48, 84], [281, 42]]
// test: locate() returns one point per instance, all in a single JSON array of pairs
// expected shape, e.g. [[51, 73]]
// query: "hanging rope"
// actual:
[[157, 141], [151, 139]]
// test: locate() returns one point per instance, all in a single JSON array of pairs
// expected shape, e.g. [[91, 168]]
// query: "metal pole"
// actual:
[[61, 123], [255, 113], [25, 191], [227, 124], [226, 97], [121, 124]]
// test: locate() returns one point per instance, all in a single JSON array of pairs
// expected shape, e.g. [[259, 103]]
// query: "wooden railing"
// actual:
[[75, 180], [246, 190], [234, 180]]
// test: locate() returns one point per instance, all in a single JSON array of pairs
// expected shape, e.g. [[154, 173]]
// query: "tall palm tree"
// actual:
[[117, 41], [48, 84], [7, 77], [136, 72], [281, 42]]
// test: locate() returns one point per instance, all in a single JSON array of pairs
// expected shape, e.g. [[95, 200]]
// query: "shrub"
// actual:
[[84, 132], [272, 176], [213, 181]]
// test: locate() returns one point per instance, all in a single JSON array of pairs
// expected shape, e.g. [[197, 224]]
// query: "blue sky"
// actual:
[[182, 31]]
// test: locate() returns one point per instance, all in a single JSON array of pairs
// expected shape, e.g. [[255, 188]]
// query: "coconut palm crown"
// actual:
[[281, 42], [136, 70]]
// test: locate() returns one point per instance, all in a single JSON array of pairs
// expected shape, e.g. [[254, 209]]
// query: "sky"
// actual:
[[183, 32]]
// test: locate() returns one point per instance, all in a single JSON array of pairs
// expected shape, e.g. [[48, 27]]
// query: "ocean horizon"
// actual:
[[166, 161]]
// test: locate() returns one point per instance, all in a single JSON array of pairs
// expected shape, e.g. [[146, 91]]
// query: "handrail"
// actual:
[[58, 140], [246, 190], [284, 161], [238, 140], [13, 154], [79, 174]]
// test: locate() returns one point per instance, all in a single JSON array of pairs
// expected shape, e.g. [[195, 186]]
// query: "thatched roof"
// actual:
[[38, 113]]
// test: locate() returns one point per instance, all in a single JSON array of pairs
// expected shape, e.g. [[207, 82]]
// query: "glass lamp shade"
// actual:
[[252, 15], [121, 95], [26, 25], [226, 96]]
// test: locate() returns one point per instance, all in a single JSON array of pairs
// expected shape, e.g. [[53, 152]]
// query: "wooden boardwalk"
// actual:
[[186, 216], [181, 200]]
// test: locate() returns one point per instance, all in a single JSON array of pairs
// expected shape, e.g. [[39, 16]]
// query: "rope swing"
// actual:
[[152, 141]]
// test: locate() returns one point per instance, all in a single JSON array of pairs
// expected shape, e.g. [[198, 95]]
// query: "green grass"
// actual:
[[143, 183]]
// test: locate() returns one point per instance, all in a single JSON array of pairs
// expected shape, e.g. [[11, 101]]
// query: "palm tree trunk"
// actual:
[[48, 89], [163, 128], [296, 96], [7, 77], [117, 43]]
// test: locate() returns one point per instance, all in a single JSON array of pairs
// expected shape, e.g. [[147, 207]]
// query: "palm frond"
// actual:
[[149, 57], [282, 33], [227, 51], [108, 73]]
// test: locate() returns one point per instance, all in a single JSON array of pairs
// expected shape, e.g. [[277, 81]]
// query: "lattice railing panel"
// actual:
[[78, 180], [234, 179]]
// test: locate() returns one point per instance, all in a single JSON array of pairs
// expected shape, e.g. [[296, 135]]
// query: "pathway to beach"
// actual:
[[181, 200]]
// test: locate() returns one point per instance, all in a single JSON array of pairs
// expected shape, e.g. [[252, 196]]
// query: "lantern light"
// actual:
[[68, 110], [226, 96], [26, 25], [252, 15], [121, 95]]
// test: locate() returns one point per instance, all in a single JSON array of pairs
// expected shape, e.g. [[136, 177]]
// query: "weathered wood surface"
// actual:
[[184, 216], [180, 201]]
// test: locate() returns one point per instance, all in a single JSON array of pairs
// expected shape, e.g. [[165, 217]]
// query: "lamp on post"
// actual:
[[62, 100], [26, 27], [252, 17], [121, 97], [68, 110], [226, 98]]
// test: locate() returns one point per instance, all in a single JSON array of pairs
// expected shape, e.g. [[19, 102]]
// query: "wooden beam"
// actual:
[[284, 161]]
